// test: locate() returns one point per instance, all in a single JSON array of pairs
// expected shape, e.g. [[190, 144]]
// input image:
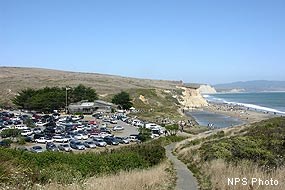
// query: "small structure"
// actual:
[[86, 107]]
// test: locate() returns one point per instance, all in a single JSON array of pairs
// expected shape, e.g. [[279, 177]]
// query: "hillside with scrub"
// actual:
[[154, 99], [255, 150]]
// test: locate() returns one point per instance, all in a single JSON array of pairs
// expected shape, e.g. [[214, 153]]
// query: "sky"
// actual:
[[201, 41]]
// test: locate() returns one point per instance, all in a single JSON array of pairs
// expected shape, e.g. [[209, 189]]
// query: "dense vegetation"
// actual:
[[156, 105], [122, 100], [52, 98], [263, 143], [65, 168]]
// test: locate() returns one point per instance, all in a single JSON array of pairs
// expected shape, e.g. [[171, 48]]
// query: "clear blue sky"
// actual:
[[212, 41]]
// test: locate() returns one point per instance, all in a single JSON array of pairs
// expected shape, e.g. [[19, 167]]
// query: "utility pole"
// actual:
[[66, 105]]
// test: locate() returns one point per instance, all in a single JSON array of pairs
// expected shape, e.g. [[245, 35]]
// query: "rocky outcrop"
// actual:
[[191, 98], [206, 89]]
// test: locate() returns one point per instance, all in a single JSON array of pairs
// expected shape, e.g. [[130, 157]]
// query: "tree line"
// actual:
[[53, 98]]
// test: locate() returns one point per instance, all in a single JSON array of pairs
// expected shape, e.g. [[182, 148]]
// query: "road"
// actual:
[[185, 178]]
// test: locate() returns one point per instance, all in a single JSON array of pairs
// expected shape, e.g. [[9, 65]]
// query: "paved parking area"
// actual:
[[128, 130]]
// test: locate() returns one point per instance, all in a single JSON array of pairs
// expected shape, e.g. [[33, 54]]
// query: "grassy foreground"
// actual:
[[257, 151], [142, 166], [21, 170], [160, 177]]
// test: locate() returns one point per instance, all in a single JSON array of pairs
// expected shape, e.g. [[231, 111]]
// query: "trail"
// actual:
[[185, 178]]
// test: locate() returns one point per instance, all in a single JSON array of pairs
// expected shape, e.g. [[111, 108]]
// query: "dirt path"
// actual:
[[185, 178]]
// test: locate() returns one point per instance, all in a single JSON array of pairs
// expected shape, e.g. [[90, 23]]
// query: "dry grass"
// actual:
[[14, 79], [219, 173], [160, 177]]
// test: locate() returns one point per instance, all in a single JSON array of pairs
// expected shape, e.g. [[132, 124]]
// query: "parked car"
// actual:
[[113, 121], [21, 127], [64, 147], [4, 144], [28, 138], [133, 138], [37, 149], [89, 144], [50, 146], [37, 130], [69, 137], [99, 142], [77, 145], [26, 132], [118, 128], [60, 139], [123, 140], [80, 136], [22, 148], [111, 141], [104, 129], [43, 140]]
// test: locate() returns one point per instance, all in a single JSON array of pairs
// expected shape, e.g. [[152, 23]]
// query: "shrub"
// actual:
[[67, 167], [21, 141], [10, 133]]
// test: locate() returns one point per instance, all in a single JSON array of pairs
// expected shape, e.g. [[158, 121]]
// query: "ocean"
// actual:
[[273, 102]]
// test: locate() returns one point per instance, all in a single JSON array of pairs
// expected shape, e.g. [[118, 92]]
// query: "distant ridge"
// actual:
[[252, 86], [14, 79]]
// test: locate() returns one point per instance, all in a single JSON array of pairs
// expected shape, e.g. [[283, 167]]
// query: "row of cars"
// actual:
[[90, 143], [155, 129]]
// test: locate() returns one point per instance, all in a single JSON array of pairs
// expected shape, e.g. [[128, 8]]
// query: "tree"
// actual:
[[82, 92], [123, 100], [52, 98], [48, 99], [173, 129], [144, 134], [22, 100]]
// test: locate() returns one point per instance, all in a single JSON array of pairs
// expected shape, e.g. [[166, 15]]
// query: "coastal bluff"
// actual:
[[192, 98]]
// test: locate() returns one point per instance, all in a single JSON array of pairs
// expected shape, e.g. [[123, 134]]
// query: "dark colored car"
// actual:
[[37, 149], [4, 144], [111, 141], [39, 135], [104, 129], [50, 146], [122, 140]]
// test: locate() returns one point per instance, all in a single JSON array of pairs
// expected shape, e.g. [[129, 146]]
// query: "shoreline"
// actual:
[[240, 112]]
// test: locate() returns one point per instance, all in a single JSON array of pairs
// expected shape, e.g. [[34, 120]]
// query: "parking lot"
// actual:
[[46, 128], [89, 132], [128, 130]]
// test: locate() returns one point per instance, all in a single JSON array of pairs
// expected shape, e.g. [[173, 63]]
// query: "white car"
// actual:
[[118, 128], [105, 134], [26, 132], [21, 127], [113, 121], [81, 137], [43, 140], [60, 139]]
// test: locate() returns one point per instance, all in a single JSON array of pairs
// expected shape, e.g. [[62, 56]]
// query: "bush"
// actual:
[[6, 142], [10, 133], [67, 167], [21, 141]]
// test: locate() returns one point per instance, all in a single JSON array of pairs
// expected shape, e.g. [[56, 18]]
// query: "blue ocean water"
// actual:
[[263, 101]]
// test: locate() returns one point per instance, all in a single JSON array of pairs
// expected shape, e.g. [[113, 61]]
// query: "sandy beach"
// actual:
[[240, 112]]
